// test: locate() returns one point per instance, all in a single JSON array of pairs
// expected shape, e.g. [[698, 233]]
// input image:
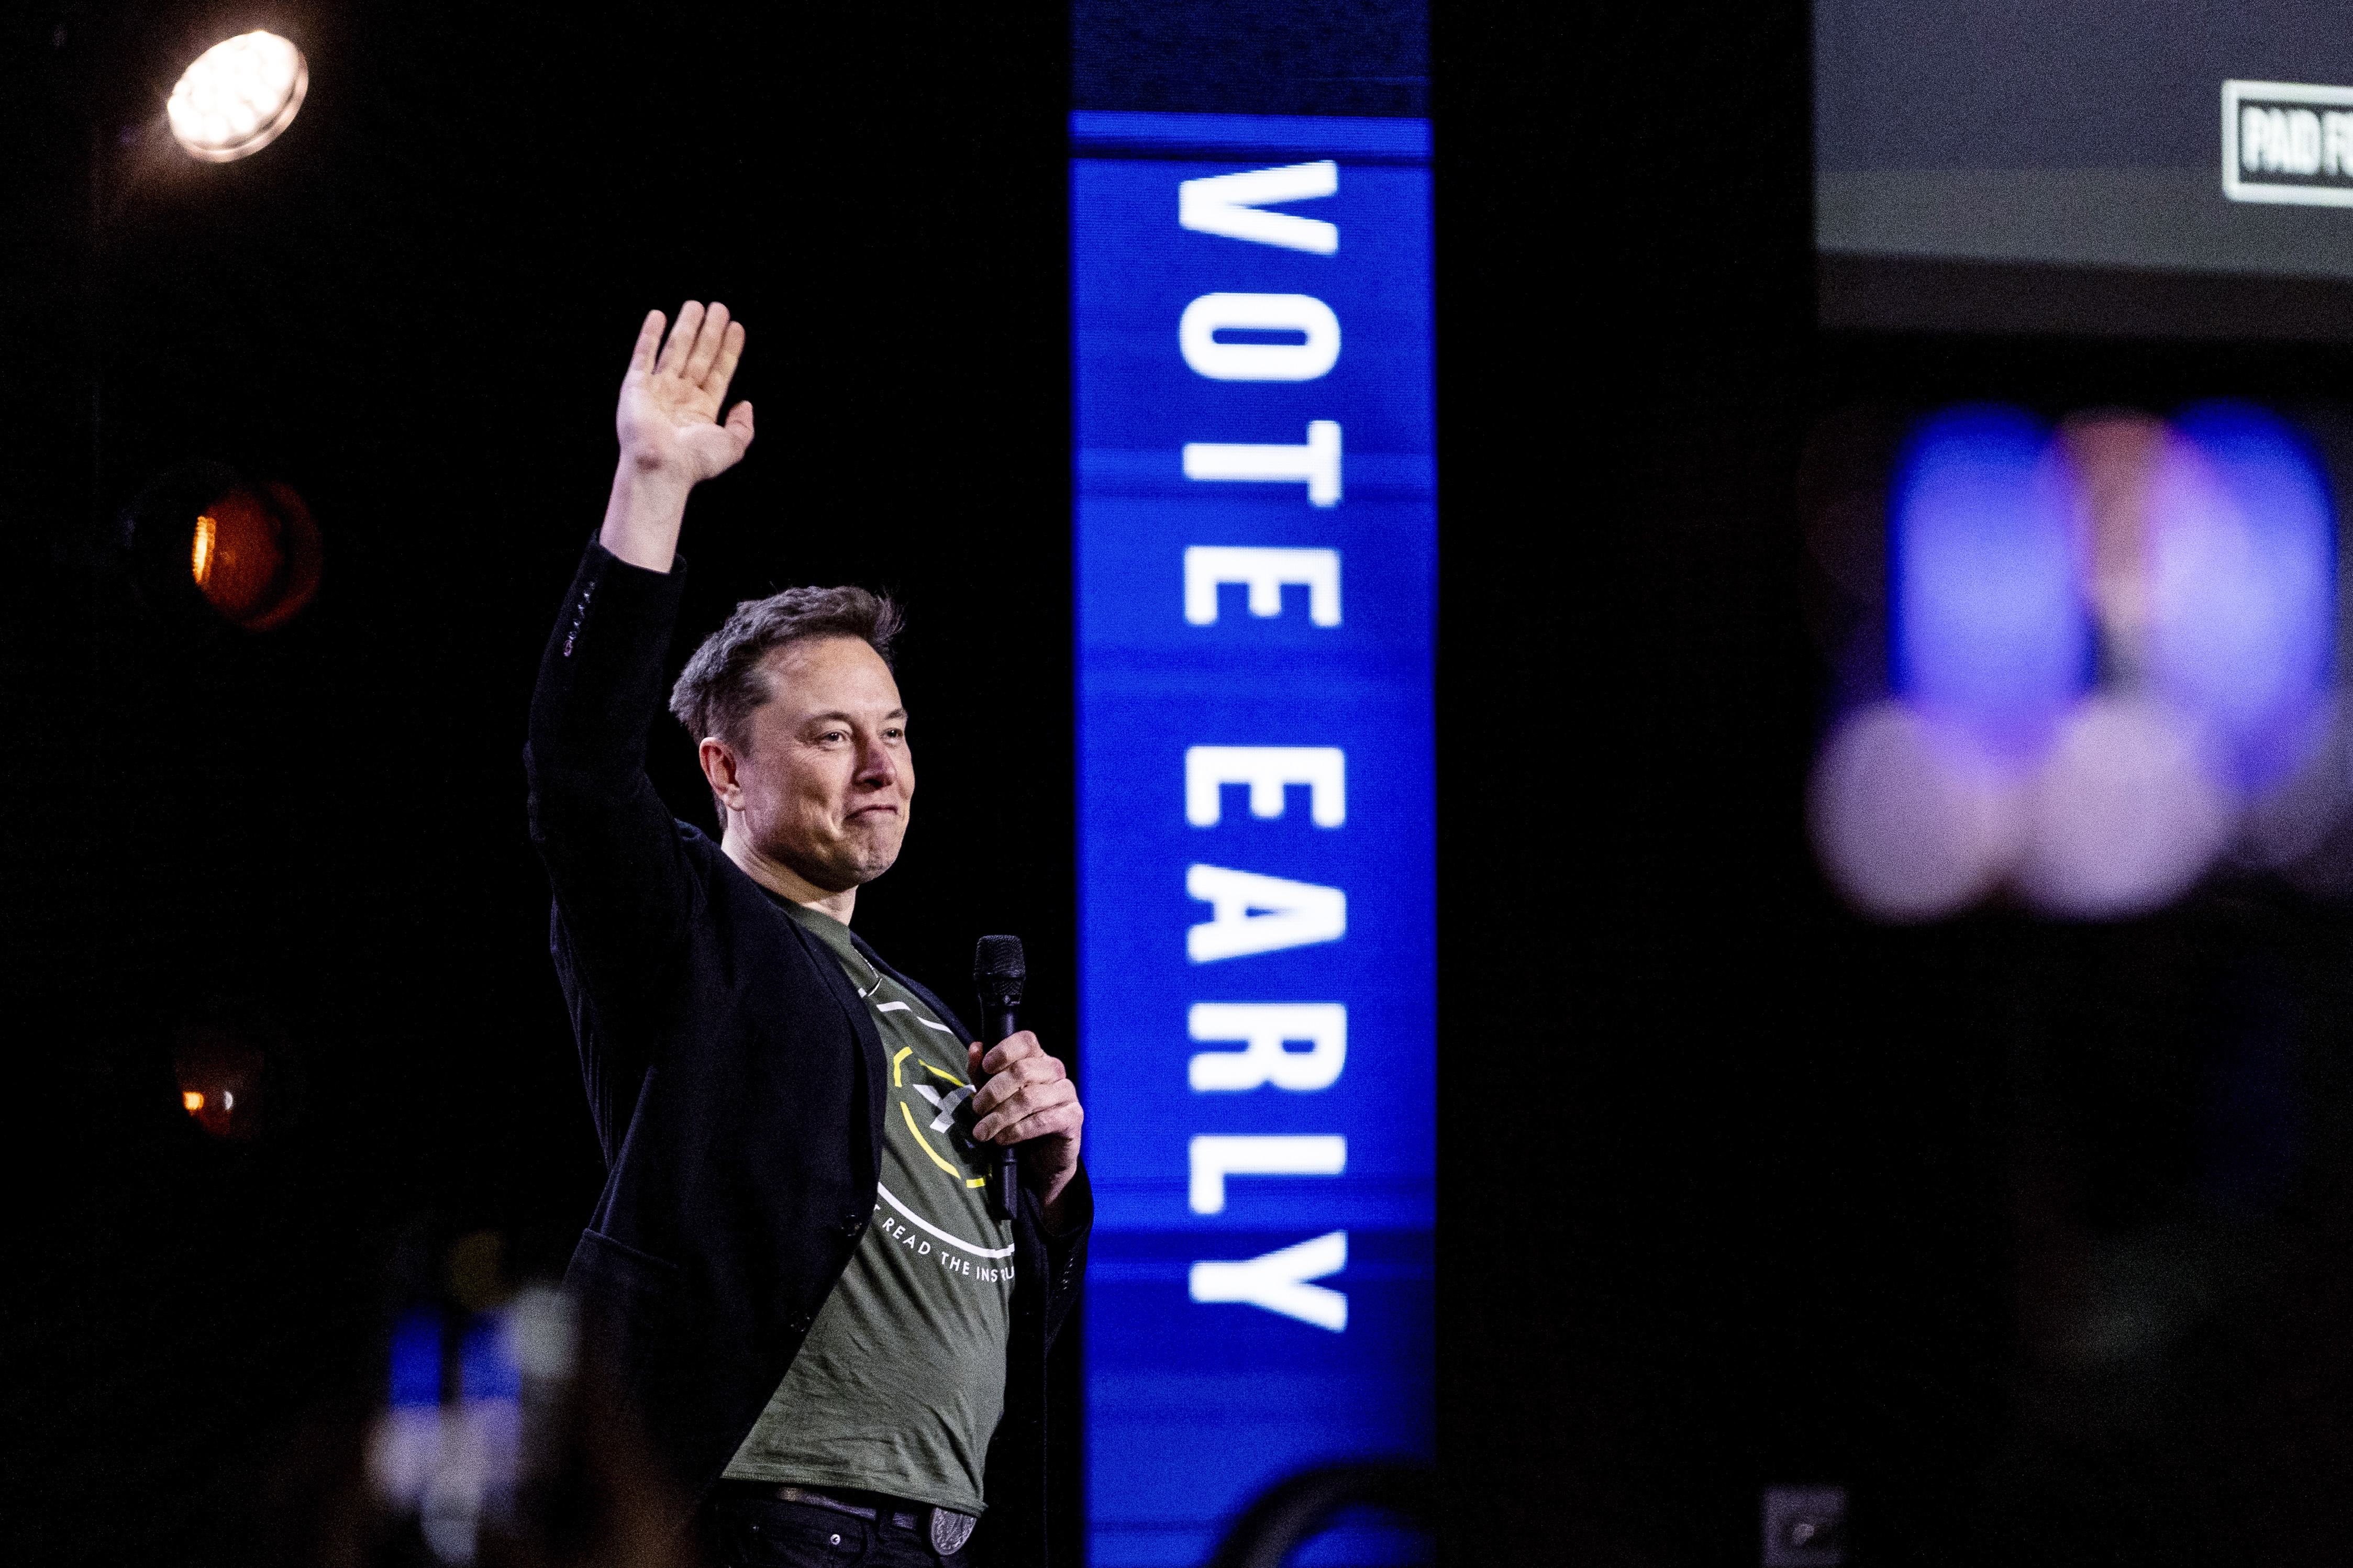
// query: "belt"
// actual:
[[946, 1530]]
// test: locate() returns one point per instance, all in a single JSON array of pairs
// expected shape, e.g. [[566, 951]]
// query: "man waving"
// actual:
[[834, 1342]]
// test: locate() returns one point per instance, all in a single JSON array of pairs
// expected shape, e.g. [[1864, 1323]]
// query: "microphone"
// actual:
[[998, 973]]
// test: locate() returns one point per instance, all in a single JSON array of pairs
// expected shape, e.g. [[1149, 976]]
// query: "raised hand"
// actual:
[[668, 417], [671, 435]]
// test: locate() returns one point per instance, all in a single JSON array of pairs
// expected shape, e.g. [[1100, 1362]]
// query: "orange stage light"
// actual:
[[218, 1065], [207, 545], [249, 559]]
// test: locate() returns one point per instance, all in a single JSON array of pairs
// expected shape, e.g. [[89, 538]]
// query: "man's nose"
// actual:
[[875, 767]]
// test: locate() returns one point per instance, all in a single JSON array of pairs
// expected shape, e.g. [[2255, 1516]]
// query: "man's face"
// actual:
[[826, 778]]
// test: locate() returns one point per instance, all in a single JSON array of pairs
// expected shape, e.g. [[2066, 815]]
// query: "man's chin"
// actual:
[[840, 873], [867, 871]]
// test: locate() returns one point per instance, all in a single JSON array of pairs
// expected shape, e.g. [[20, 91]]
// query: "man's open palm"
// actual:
[[669, 419]]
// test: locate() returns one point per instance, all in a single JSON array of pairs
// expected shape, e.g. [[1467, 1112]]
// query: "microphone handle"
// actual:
[[998, 1022]]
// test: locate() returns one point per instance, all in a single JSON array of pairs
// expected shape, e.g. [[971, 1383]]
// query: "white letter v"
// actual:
[[1229, 205]]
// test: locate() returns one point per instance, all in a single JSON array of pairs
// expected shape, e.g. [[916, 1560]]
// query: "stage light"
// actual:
[[206, 546], [218, 1066], [241, 558], [237, 96]]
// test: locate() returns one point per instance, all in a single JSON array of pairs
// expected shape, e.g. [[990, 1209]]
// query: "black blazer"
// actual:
[[736, 1080]]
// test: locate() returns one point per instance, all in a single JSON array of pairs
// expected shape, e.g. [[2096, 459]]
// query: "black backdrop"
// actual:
[[415, 308], [1722, 1179]]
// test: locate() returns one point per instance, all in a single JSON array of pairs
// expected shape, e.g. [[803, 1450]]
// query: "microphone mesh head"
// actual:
[[999, 958]]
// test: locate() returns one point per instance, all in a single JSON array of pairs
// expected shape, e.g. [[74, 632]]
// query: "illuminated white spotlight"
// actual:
[[237, 97]]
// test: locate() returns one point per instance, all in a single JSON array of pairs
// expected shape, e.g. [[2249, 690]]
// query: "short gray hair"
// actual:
[[722, 684]]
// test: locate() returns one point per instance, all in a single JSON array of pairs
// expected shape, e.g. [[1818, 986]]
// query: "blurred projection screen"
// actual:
[[2078, 167]]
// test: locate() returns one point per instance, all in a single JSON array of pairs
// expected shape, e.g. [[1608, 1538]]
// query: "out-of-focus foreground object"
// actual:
[[448, 1451], [2107, 660], [237, 96], [1299, 1508]]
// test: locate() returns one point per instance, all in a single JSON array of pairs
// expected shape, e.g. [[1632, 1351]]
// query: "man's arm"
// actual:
[[621, 881]]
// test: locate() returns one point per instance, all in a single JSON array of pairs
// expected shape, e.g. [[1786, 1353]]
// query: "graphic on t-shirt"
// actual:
[[907, 1075], [942, 1129]]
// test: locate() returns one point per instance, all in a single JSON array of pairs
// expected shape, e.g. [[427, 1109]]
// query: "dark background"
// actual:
[[2066, 84], [1735, 1191]]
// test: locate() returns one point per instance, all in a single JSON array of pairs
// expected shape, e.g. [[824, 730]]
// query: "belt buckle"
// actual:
[[949, 1530]]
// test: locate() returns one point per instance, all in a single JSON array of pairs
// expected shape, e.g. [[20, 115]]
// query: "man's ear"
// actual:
[[717, 760]]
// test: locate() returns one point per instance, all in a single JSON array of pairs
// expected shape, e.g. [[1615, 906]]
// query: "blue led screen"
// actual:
[[1256, 550]]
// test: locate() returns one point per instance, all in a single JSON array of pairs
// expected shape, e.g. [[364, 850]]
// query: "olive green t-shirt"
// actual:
[[899, 1386]]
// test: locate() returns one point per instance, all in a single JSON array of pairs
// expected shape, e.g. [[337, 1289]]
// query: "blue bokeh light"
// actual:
[[2243, 585], [486, 1363], [416, 1359], [1989, 633]]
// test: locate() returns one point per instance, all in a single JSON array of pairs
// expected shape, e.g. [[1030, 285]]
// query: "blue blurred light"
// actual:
[[486, 1367], [2242, 590], [1990, 631], [416, 1359]]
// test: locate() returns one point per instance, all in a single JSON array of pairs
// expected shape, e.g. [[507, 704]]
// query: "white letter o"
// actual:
[[1197, 334]]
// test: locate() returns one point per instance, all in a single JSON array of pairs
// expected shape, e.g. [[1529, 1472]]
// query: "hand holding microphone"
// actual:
[[1029, 1101]]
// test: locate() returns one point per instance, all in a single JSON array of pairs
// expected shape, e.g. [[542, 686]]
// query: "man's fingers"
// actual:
[[1021, 1083], [681, 339], [739, 419], [1042, 1123], [1010, 1079], [1035, 1068], [704, 352], [1015, 1111], [723, 367], [1012, 1048], [641, 353], [1015, 1105]]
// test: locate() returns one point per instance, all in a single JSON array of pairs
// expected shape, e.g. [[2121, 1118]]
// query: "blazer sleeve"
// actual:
[[1066, 1253], [625, 891]]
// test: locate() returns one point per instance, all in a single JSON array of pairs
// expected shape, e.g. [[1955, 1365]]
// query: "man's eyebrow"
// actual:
[[836, 716]]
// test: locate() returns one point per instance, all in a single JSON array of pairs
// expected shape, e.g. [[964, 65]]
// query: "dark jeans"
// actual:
[[747, 1531]]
